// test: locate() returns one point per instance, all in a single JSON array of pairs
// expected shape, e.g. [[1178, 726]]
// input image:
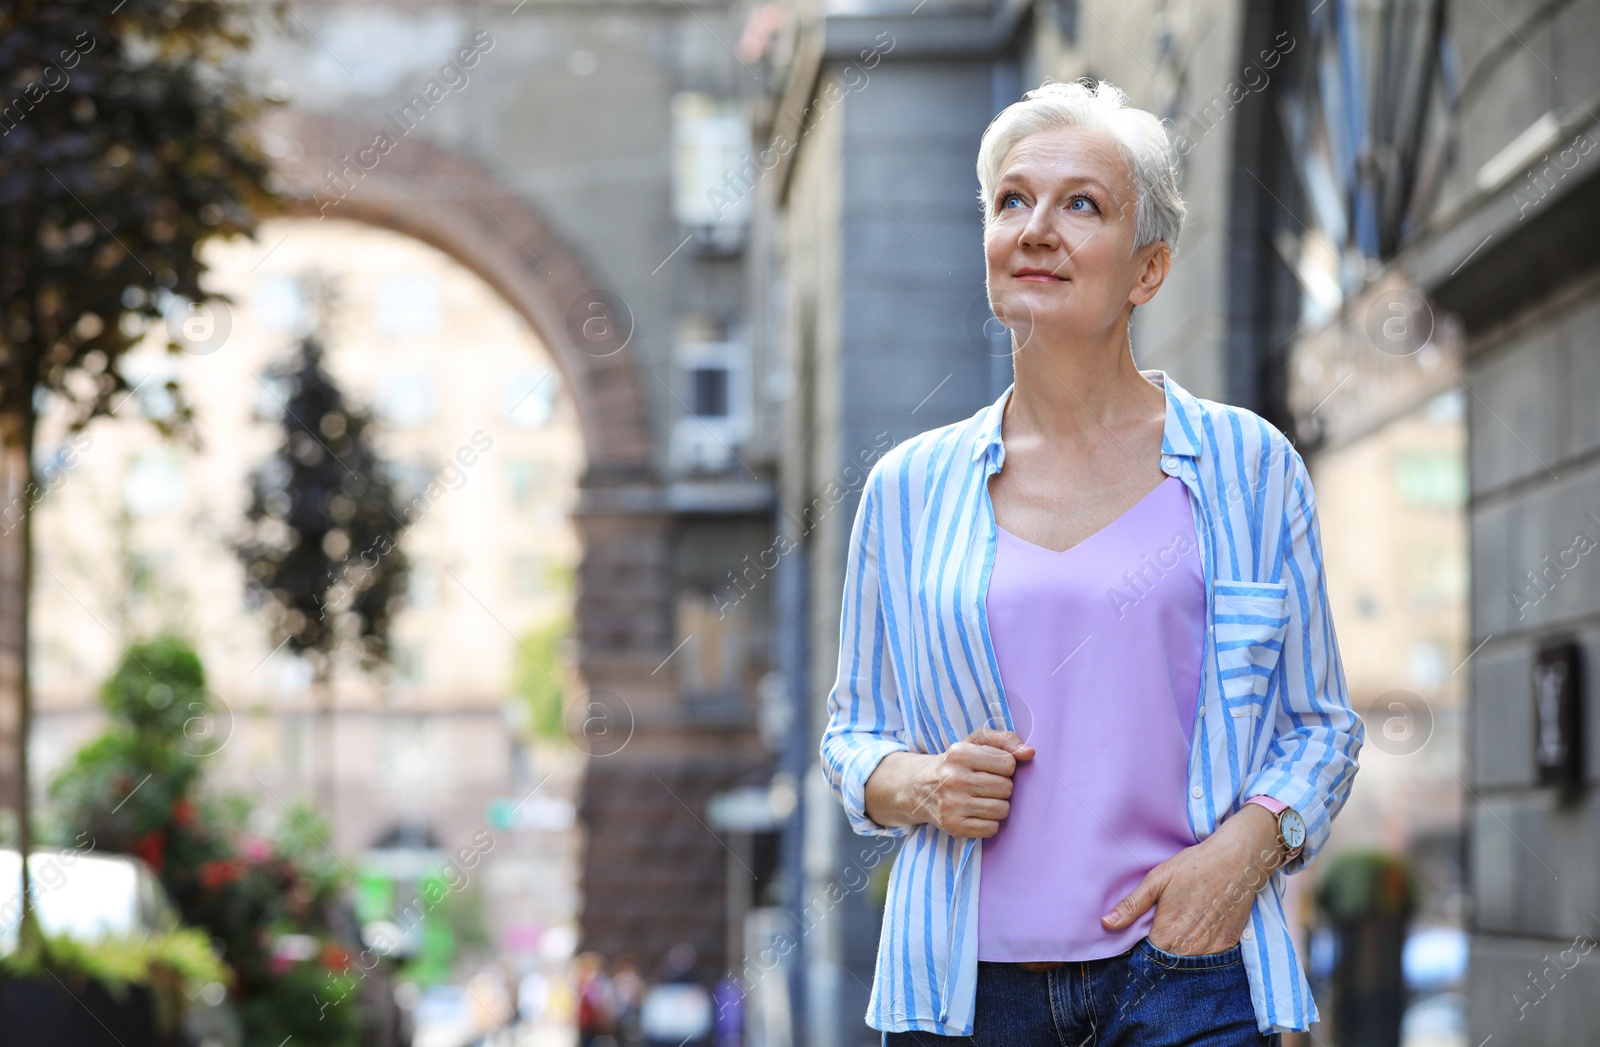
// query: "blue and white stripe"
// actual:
[[917, 672]]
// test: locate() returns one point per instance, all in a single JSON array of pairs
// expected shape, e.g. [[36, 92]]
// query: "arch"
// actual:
[[325, 166]]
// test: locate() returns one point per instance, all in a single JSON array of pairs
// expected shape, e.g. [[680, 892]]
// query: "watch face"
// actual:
[[1292, 828]]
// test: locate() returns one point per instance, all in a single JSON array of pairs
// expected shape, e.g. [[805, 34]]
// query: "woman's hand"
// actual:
[[965, 791], [1204, 893]]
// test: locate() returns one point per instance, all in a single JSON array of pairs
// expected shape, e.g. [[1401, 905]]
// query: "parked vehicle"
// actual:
[[91, 898]]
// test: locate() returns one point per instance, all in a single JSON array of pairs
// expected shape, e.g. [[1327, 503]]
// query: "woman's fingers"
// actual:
[[983, 758], [1146, 894], [997, 786], [1009, 741]]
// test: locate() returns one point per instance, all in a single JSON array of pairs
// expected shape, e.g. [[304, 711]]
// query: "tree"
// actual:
[[124, 146], [321, 554], [537, 677]]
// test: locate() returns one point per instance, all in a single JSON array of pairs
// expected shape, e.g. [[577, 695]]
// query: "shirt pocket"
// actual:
[[1251, 619]]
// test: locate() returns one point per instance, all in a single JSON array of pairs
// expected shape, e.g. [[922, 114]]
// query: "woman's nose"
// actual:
[[1039, 231]]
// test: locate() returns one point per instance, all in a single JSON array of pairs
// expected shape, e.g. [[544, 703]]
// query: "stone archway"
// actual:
[[650, 769], [327, 166]]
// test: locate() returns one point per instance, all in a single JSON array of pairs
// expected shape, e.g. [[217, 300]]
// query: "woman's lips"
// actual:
[[1042, 278]]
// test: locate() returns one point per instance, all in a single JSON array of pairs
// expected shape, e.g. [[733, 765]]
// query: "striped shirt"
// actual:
[[918, 673]]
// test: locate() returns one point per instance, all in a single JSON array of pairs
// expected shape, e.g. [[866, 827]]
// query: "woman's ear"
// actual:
[[1154, 261]]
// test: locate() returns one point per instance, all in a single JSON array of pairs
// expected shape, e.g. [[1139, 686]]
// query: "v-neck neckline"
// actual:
[[1080, 544]]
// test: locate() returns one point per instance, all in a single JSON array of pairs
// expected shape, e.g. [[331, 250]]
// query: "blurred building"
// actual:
[[1388, 254], [409, 766], [576, 157], [588, 162]]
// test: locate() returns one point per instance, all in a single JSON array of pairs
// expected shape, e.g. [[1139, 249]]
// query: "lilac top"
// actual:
[[1099, 650]]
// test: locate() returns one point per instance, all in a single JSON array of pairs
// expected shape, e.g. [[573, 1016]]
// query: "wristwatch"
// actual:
[[1291, 827]]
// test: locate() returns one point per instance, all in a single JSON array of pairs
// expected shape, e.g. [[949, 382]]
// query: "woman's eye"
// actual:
[[1007, 198], [1072, 204]]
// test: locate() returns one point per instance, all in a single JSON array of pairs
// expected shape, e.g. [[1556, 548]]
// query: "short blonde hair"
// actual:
[[1140, 137]]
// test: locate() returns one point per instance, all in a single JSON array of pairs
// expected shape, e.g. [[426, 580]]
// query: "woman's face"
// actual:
[[1060, 245]]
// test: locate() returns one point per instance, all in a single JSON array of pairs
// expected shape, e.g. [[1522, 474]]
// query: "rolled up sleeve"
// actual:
[[865, 723], [1312, 759]]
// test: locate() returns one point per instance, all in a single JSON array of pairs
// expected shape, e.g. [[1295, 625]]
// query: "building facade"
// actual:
[[1388, 254]]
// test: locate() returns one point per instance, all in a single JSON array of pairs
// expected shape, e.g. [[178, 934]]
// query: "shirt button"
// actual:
[[1170, 464], [1247, 933], [1197, 792]]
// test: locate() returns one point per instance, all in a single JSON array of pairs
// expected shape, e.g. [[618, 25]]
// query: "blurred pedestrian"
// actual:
[[628, 986], [489, 1002], [597, 1005], [533, 997], [676, 1011], [728, 997]]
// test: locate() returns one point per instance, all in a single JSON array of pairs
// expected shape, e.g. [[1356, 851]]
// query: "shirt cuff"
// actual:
[[1275, 806]]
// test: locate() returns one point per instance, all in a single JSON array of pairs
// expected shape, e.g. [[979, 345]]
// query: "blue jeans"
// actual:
[[1145, 997]]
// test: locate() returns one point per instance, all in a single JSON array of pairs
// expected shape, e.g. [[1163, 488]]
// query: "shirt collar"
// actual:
[[1180, 435]]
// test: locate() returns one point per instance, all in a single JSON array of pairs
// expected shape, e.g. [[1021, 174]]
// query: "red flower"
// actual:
[[214, 874], [150, 847], [183, 812], [335, 958]]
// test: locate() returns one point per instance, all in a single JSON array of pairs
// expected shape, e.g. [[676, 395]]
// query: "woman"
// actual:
[[1087, 626]]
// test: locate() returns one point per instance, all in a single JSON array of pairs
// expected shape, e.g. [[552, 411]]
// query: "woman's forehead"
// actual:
[[1061, 154]]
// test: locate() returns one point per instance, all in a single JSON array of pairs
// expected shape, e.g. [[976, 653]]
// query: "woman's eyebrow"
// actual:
[[1021, 178]]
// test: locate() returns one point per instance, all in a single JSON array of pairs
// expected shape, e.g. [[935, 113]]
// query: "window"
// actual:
[[410, 478], [1431, 479], [155, 484], [409, 662], [530, 397], [408, 304], [277, 304], [528, 573], [713, 176], [709, 388], [147, 380], [405, 398], [422, 583], [713, 391], [525, 479]]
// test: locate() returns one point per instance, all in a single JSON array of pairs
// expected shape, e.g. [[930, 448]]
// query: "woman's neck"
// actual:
[[1071, 395]]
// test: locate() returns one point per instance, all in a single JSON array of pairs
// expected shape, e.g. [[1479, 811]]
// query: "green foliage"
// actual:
[[538, 677], [1361, 884], [160, 689], [136, 790], [125, 146], [322, 555]]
